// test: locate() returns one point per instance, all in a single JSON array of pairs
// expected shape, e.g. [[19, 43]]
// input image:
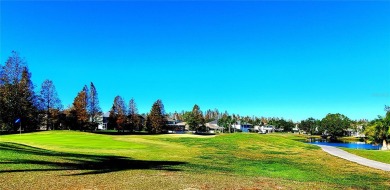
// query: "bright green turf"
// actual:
[[378, 155], [228, 161]]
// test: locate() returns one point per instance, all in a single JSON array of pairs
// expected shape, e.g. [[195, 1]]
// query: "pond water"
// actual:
[[353, 145]]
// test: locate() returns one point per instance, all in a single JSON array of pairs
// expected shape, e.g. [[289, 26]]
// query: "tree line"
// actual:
[[23, 108], [19, 100]]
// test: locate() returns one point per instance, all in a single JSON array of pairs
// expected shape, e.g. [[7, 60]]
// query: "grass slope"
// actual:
[[76, 160], [381, 156]]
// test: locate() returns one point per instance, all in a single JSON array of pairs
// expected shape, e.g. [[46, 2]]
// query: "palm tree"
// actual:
[[230, 122], [226, 121], [382, 130], [233, 121], [386, 131]]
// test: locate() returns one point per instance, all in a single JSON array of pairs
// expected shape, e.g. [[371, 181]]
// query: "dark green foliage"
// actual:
[[379, 130], [287, 126], [309, 125], [148, 123], [335, 124], [111, 119], [70, 119], [91, 126], [195, 118], [226, 121], [282, 124]]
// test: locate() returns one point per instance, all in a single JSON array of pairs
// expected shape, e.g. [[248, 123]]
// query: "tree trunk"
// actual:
[[384, 145]]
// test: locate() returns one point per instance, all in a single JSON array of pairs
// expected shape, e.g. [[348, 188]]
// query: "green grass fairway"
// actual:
[[76, 160]]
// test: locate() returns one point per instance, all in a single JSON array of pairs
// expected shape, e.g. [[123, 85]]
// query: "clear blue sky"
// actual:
[[287, 59]]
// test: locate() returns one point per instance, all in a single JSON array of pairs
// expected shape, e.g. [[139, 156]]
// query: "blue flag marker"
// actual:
[[17, 121]]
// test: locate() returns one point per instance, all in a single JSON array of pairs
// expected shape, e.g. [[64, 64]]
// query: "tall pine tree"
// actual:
[[28, 102], [80, 109], [118, 111], [17, 97], [112, 119], [134, 120], [93, 104], [156, 120], [49, 101], [195, 118], [86, 91]]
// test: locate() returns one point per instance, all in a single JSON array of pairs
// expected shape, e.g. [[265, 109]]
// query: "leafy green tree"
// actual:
[[186, 116], [195, 118], [369, 132], [249, 120], [379, 130], [335, 124], [287, 126], [226, 121], [257, 121], [156, 120], [309, 125], [233, 120], [50, 101], [222, 121], [274, 122]]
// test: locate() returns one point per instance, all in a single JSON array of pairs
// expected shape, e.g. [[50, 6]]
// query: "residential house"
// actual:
[[102, 121], [357, 132], [296, 129], [265, 129], [175, 126], [212, 127], [244, 127]]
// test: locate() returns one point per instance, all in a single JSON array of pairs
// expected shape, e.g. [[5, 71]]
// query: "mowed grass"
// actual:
[[381, 156], [77, 160]]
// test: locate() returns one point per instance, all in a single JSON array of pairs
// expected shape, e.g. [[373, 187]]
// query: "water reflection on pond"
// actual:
[[353, 145]]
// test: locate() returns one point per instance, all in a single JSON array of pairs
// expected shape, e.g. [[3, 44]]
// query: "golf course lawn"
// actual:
[[78, 160], [381, 156]]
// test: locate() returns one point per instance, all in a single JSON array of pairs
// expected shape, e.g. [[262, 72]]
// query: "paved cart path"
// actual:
[[353, 158]]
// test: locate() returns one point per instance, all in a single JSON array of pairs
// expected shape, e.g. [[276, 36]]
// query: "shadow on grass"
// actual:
[[89, 164], [121, 133], [146, 133], [17, 132]]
